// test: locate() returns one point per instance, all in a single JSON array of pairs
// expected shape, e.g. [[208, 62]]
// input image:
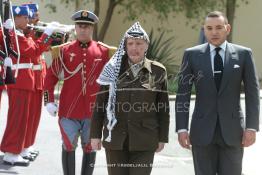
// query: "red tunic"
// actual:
[[39, 70], [39, 66], [76, 99], [30, 51]]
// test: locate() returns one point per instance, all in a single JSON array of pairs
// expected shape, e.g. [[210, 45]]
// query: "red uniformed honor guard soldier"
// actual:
[[20, 93], [39, 70], [81, 62]]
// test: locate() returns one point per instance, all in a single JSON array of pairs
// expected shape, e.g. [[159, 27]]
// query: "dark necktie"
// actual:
[[218, 68]]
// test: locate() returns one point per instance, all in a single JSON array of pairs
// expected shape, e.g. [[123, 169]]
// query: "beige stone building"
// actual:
[[247, 28]]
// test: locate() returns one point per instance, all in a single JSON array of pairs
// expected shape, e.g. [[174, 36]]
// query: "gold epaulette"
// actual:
[[55, 50], [112, 49]]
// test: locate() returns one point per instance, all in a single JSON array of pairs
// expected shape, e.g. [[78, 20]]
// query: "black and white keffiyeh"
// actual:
[[111, 71]]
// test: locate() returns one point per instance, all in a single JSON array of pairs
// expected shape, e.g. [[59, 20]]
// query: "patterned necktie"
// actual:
[[218, 68]]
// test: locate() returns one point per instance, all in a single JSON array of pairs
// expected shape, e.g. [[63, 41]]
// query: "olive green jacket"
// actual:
[[142, 109]]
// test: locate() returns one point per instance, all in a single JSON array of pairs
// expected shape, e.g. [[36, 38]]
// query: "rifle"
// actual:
[[6, 13]]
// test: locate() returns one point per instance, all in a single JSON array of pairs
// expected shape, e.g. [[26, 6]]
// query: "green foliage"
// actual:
[[163, 9], [51, 6], [173, 86], [136, 8], [159, 9], [162, 50], [192, 9]]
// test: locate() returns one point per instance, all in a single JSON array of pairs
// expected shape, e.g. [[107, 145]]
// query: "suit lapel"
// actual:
[[229, 54]]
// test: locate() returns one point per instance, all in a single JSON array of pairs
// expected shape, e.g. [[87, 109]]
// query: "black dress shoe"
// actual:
[[30, 157], [35, 153], [23, 163], [14, 159]]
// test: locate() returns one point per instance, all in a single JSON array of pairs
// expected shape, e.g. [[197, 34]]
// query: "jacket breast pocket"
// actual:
[[97, 63], [237, 70], [236, 66]]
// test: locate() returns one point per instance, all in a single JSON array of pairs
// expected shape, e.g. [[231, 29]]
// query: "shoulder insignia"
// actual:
[[158, 64], [55, 50], [112, 49]]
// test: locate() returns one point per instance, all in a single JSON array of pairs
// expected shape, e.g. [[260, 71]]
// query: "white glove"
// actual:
[[52, 108], [61, 27], [55, 24], [50, 29], [8, 24], [8, 62], [58, 27]]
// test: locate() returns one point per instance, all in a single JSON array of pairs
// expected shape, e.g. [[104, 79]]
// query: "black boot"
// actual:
[[68, 162], [88, 163]]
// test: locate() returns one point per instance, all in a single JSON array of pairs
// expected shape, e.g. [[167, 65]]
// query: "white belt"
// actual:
[[37, 67], [22, 66]]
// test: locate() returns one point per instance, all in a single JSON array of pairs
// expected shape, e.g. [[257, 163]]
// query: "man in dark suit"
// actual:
[[218, 132]]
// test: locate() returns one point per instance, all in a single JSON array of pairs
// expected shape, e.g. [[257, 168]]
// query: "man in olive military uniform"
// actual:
[[132, 107]]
